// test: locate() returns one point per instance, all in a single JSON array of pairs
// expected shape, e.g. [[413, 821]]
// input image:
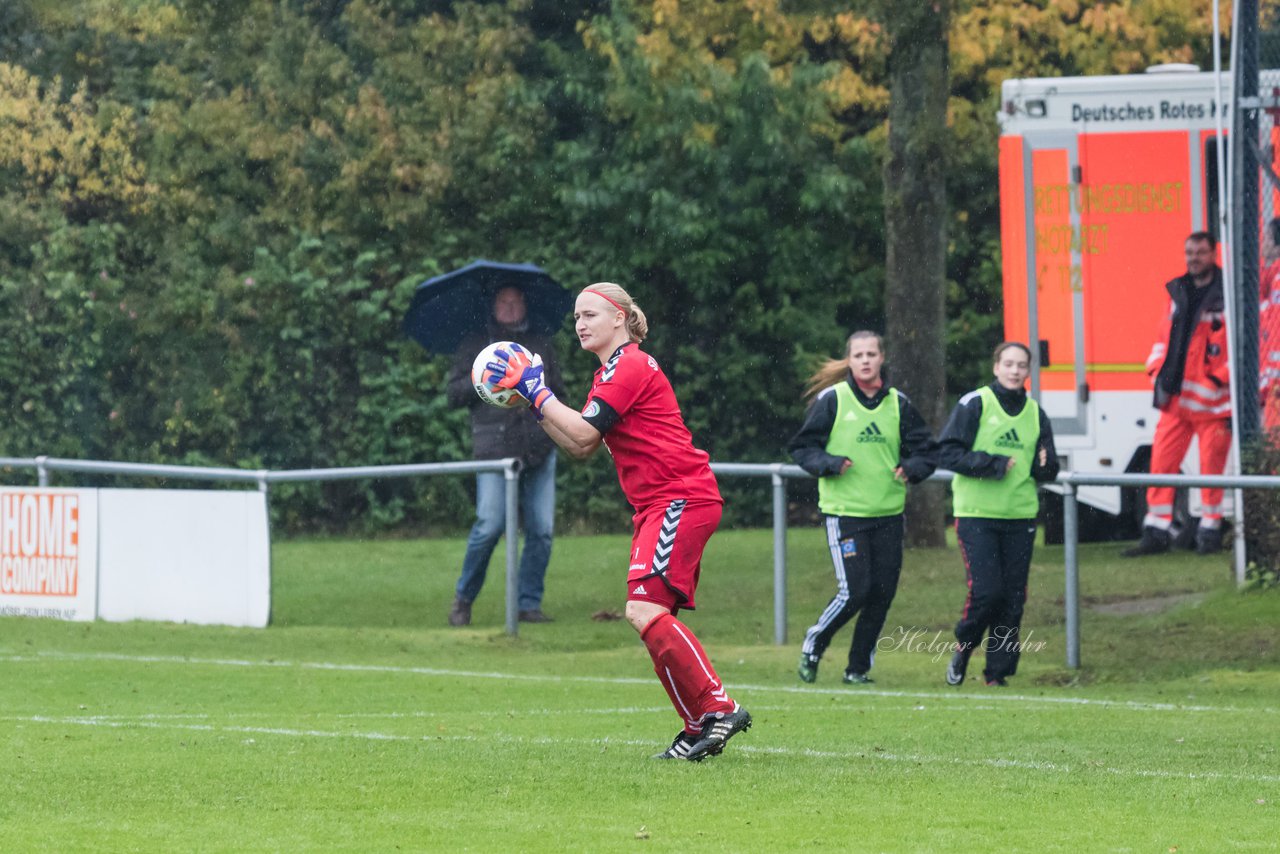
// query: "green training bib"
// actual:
[[871, 438], [1013, 496]]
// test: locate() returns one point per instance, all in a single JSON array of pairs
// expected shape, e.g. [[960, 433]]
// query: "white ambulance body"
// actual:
[[1101, 181]]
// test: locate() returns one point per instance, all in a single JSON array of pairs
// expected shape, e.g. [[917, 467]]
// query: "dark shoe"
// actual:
[[1208, 541], [808, 669], [534, 615], [851, 678], [1185, 536], [997, 683], [460, 613], [717, 730], [1154, 541], [680, 748], [959, 664]]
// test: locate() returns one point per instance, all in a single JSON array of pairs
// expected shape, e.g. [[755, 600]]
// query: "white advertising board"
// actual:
[[48, 552], [190, 556]]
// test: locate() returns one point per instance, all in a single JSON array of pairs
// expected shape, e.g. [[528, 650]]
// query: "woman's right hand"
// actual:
[[846, 465]]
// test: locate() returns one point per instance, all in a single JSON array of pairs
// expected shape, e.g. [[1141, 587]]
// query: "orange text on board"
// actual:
[[39, 543]]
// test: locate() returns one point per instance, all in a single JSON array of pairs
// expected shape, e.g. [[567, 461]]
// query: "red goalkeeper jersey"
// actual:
[[651, 447]]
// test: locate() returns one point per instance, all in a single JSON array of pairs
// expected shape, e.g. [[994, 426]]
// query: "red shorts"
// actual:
[[666, 552]]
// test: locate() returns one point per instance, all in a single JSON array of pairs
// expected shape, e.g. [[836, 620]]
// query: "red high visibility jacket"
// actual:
[[1269, 345], [1269, 329], [1198, 389]]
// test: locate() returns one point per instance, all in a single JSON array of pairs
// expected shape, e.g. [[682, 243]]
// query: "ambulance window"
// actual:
[[1212, 194]]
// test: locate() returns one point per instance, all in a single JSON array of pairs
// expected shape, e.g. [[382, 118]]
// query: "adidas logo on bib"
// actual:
[[872, 433], [1009, 440]]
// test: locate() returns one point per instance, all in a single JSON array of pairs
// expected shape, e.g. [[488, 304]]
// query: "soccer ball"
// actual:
[[505, 398]]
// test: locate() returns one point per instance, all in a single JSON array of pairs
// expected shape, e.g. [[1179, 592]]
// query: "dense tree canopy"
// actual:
[[213, 215]]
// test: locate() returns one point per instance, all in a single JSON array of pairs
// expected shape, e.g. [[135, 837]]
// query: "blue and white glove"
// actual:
[[523, 372]]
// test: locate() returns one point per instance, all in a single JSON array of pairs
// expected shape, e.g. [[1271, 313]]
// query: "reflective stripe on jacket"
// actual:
[[1204, 390]]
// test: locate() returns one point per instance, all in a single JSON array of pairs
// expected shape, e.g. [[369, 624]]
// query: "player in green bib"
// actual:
[[864, 441], [999, 443]]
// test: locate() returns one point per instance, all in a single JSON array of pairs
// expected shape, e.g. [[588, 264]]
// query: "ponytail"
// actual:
[[637, 323]]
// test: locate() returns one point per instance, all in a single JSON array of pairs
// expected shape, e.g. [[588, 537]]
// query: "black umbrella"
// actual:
[[447, 308]]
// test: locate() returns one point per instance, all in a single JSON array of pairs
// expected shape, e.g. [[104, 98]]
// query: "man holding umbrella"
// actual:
[[460, 313], [498, 433]]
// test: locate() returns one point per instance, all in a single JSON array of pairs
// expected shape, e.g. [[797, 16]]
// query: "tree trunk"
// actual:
[[915, 203]]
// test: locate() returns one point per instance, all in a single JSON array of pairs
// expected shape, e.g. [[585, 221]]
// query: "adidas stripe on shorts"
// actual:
[[666, 551]]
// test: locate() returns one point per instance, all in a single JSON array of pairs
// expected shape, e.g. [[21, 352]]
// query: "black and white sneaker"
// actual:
[[717, 730], [679, 748], [959, 664]]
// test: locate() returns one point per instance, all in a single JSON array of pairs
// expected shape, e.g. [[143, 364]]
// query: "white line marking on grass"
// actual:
[[986, 696], [471, 713], [256, 730], [883, 756], [153, 716], [1002, 696], [502, 713], [625, 710]]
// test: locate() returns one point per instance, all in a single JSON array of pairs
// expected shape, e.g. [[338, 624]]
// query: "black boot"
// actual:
[[460, 613], [1208, 541], [1154, 541], [1185, 536]]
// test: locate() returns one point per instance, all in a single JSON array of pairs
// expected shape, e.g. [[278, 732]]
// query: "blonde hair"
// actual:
[[637, 323], [832, 371]]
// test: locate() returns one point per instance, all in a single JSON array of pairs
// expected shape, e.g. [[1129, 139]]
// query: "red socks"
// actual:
[[685, 671]]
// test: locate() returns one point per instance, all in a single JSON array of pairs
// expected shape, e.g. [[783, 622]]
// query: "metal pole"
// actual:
[[779, 557], [264, 486], [42, 473], [1228, 272], [512, 476], [1242, 305], [1070, 541]]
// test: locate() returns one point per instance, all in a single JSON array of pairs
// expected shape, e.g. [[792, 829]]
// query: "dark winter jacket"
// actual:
[[1188, 364], [955, 445], [808, 446]]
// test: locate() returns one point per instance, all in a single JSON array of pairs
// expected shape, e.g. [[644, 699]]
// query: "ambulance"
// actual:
[[1101, 181]]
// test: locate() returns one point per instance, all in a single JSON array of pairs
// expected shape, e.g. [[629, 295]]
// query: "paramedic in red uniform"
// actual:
[[632, 410], [1269, 331], [1191, 374]]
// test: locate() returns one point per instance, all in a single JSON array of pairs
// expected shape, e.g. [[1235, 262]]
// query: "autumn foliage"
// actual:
[[212, 215]]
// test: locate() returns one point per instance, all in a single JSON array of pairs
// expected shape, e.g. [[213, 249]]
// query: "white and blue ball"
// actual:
[[504, 398]]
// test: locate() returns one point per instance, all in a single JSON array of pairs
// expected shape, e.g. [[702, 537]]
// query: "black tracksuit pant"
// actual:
[[867, 554], [997, 561]]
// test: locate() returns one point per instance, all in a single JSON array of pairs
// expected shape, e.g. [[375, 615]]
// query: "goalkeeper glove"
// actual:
[[523, 372]]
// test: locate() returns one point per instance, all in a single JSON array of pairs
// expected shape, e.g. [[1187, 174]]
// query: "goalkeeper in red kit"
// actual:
[[633, 411]]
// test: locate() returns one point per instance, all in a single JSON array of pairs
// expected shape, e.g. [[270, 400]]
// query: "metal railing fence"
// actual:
[[1071, 526], [776, 472], [263, 478]]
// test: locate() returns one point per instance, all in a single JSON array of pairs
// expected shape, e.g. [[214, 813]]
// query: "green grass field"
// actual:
[[360, 722]]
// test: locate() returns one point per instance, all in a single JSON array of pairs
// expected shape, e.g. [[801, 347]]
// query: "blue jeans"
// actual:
[[537, 513]]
